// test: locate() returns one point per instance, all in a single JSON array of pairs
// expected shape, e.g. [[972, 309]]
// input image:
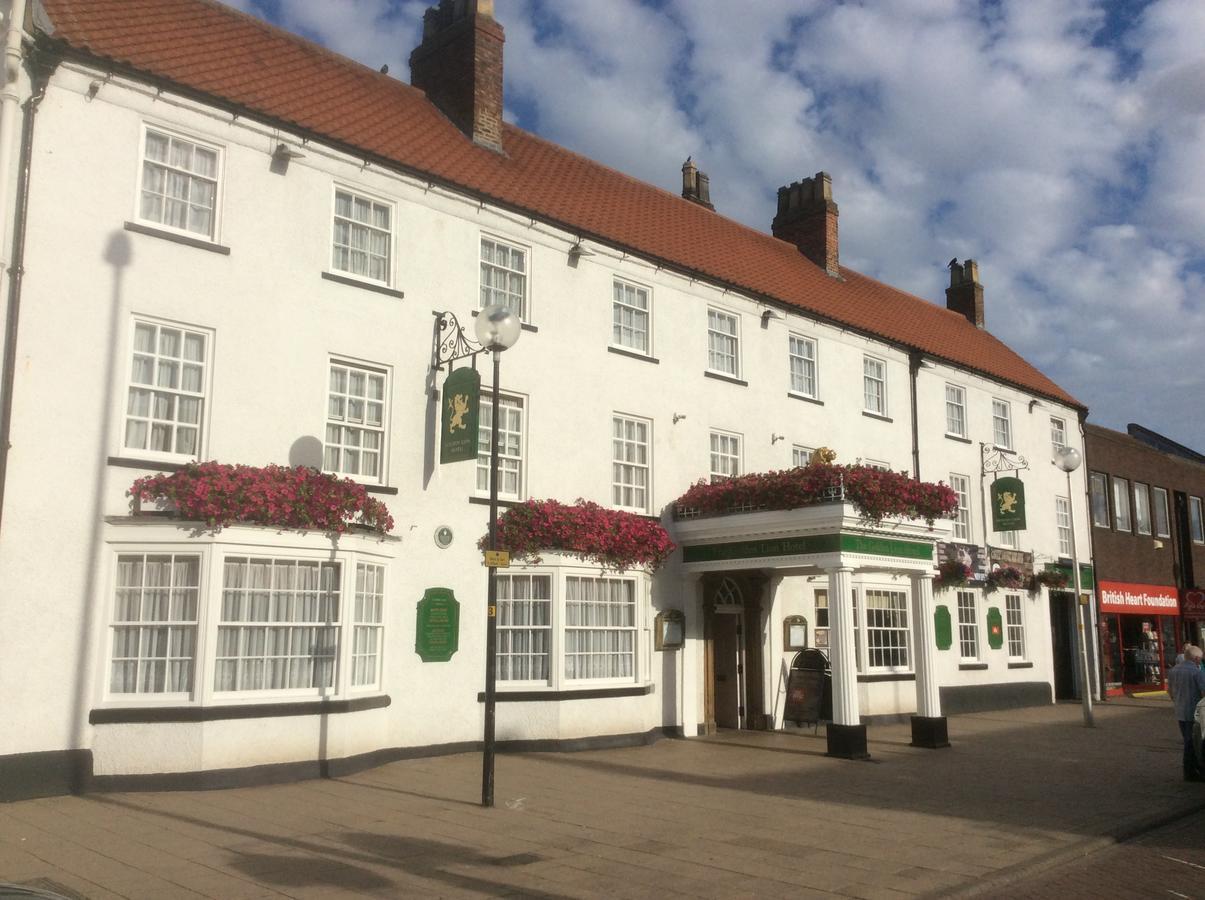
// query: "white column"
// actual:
[[841, 647], [928, 697], [774, 687], [690, 689]]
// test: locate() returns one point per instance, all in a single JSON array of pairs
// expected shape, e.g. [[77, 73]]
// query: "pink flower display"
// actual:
[[952, 573], [298, 498], [613, 539], [874, 493], [1009, 577]]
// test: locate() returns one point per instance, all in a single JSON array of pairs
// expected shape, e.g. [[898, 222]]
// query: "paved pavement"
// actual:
[[746, 814]]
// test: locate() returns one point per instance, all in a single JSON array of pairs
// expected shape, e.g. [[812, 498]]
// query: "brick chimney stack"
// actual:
[[965, 293], [807, 218], [459, 67], [696, 186]]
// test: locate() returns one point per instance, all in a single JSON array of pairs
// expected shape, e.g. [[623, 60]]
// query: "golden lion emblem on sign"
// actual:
[[823, 455], [458, 404], [1008, 502]]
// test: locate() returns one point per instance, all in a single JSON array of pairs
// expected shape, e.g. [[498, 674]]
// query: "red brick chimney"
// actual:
[[965, 293], [807, 218], [459, 67], [696, 186]]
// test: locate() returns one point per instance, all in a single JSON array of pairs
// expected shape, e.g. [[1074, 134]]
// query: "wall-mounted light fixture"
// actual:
[[775, 438], [678, 417], [767, 315], [285, 154], [577, 251]]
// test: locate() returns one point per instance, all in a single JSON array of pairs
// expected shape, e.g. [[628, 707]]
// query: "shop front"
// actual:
[[1192, 609], [1139, 626]]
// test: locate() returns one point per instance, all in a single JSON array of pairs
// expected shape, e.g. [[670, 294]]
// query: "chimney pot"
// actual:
[[807, 218], [965, 294], [696, 186]]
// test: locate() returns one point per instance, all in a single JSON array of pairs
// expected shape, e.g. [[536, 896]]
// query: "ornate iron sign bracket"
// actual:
[[998, 459], [449, 343]]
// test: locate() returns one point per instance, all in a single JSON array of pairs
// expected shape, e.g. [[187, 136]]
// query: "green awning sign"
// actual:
[[460, 411], [1008, 504]]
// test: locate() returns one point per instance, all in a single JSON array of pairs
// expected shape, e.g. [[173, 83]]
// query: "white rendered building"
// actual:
[[226, 243]]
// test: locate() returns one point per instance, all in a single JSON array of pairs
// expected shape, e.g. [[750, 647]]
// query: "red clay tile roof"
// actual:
[[205, 47]]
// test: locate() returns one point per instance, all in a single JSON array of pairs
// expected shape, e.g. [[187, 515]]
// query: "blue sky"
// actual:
[[1061, 143]]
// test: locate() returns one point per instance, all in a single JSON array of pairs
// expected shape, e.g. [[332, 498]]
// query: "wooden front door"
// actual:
[[728, 693]]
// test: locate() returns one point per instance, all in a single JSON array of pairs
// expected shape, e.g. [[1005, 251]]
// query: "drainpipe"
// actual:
[[10, 103], [914, 365], [40, 76]]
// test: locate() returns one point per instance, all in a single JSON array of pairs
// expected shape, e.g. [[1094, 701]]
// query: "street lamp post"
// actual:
[[497, 329], [1068, 459]]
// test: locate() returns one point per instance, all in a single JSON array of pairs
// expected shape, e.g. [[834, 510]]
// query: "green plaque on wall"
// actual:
[[437, 633], [942, 630], [995, 628], [1008, 504], [460, 411]]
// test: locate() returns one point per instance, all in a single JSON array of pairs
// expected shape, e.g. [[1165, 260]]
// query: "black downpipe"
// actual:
[[40, 73], [914, 360]]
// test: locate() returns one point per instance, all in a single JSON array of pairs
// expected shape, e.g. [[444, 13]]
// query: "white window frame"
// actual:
[[1162, 513], [621, 289], [725, 445], [1058, 433], [362, 426], [492, 293], [869, 380], [1062, 520], [956, 400], [1196, 526], [508, 461], [1002, 423], [369, 592], [213, 550], [1142, 508], [1123, 520], [390, 239], [967, 609], [801, 455], [716, 336], [175, 134], [899, 628], [1014, 627], [804, 361], [1009, 539], [518, 617], [626, 464], [178, 393], [1098, 497], [558, 627], [961, 485]]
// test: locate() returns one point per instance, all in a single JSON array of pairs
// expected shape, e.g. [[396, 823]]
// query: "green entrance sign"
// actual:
[[1008, 504], [437, 634], [802, 546], [942, 629], [460, 412], [995, 628]]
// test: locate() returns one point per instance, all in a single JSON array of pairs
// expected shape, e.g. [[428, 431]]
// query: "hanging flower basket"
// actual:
[[1051, 578], [1008, 577], [952, 573], [297, 498], [875, 494], [612, 538]]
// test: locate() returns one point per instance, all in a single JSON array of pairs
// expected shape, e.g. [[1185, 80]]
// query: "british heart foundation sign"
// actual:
[[1145, 599]]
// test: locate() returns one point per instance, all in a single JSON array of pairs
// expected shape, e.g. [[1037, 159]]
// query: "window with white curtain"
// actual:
[[1002, 427], [1062, 517], [1099, 495], [355, 421], [179, 187], [1142, 508], [600, 628], [887, 630], [1058, 434], [510, 448], [874, 385], [363, 236], [802, 354], [279, 625], [524, 627], [962, 519], [1014, 626], [630, 317], [956, 410], [630, 463], [368, 625], [968, 626], [154, 629], [166, 397], [725, 455], [504, 276], [1162, 518], [1121, 504], [801, 455], [723, 343]]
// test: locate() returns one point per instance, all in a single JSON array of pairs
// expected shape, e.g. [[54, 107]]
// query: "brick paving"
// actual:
[[1020, 797]]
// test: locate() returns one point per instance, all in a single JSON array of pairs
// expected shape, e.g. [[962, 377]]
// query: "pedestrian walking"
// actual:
[[1186, 685]]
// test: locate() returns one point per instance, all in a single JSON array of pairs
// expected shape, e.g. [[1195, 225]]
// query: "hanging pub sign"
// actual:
[[461, 409], [1008, 504]]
